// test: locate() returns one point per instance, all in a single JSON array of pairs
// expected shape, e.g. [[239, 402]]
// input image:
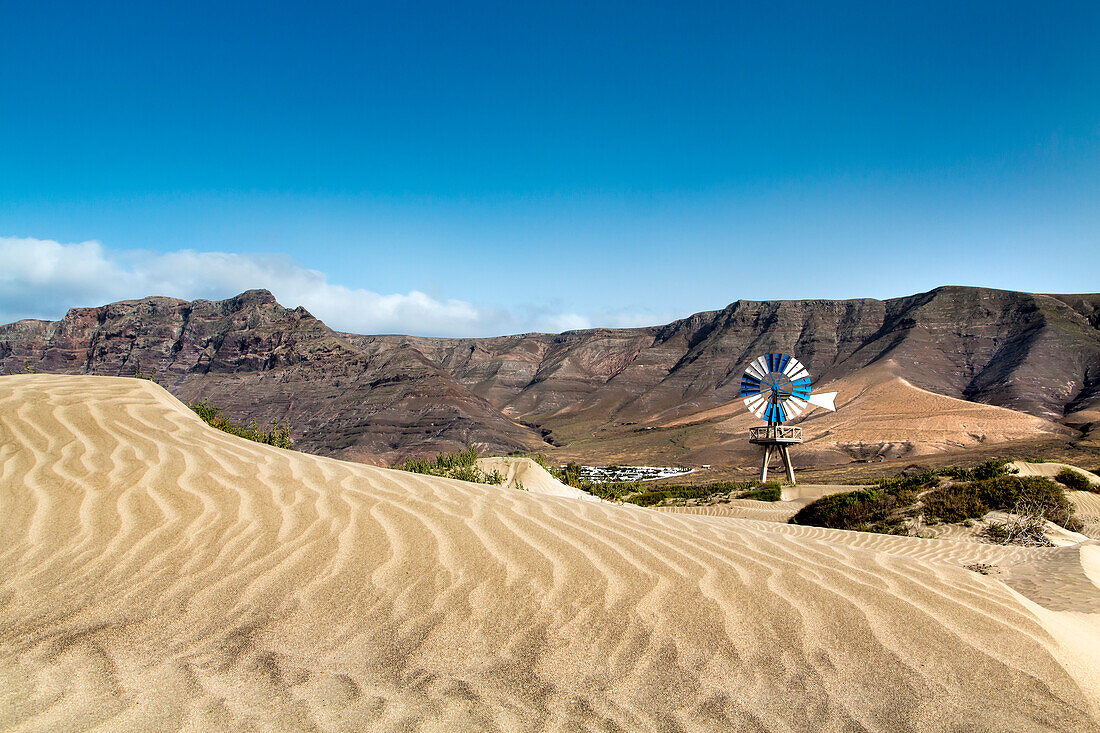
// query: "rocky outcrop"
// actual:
[[259, 360]]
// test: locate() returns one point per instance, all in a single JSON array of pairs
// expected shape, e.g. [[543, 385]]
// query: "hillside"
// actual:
[[584, 394]]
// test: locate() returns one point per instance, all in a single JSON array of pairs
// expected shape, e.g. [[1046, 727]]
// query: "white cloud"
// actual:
[[563, 322], [43, 278]]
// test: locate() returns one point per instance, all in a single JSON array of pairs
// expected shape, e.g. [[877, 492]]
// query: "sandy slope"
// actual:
[[1050, 470], [794, 498], [160, 575], [525, 473]]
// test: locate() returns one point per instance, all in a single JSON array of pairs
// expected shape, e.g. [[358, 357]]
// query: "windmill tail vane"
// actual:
[[777, 388]]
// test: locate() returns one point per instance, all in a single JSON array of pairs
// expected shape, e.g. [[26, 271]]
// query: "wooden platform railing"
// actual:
[[775, 432]]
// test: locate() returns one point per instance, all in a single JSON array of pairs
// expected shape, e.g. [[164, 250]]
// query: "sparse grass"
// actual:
[[767, 492], [1073, 480], [461, 465], [138, 374], [276, 435]]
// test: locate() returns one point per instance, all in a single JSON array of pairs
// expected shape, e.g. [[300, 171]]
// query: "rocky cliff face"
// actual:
[[259, 360], [382, 397], [1035, 353]]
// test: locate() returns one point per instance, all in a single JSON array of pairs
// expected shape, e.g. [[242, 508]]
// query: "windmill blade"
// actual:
[[756, 404], [823, 400], [794, 406], [792, 367]]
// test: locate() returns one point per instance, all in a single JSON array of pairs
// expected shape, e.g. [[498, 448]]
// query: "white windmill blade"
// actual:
[[793, 365], [823, 400], [794, 406], [756, 405]]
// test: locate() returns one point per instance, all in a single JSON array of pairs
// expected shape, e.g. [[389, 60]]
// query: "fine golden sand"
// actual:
[[156, 574]]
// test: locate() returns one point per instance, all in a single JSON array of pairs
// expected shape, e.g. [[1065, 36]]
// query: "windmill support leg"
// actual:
[[764, 465], [787, 462]]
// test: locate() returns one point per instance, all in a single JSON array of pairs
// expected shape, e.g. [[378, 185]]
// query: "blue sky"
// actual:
[[470, 169]]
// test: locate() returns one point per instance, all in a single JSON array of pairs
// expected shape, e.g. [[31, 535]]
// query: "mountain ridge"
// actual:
[[379, 398]]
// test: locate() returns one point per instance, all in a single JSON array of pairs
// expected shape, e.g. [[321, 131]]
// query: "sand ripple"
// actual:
[[158, 574]]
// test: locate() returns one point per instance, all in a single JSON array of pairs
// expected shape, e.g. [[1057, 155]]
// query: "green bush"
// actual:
[[886, 507], [1073, 480], [461, 465], [767, 492], [611, 490], [989, 469], [905, 488], [657, 494], [276, 435], [1004, 493], [871, 510], [541, 460], [954, 504], [443, 463]]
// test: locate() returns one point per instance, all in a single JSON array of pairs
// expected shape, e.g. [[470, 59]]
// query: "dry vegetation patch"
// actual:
[[905, 503], [461, 465]]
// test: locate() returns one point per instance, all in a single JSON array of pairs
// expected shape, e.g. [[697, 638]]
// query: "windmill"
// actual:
[[776, 387]]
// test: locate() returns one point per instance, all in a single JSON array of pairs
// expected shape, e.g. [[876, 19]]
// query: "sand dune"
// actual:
[[526, 474], [765, 511], [159, 575], [1050, 470]]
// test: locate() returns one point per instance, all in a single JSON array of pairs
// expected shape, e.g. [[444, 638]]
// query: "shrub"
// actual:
[[767, 492], [656, 494], [1073, 480], [443, 463], [906, 487], [461, 465], [1005, 493], [276, 435], [870, 510], [989, 469], [541, 460], [954, 504], [1026, 525], [570, 474], [611, 491]]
